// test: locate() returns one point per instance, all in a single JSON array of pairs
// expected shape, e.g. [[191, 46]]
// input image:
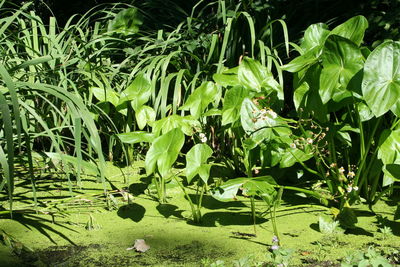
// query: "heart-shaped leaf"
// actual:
[[232, 104], [341, 60], [196, 162], [139, 92], [145, 115], [164, 151], [381, 82], [389, 153], [105, 95], [256, 77], [200, 99], [260, 186]]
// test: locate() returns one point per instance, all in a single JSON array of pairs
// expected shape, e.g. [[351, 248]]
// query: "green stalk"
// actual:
[[200, 200], [367, 148], [273, 214], [253, 213], [192, 206]]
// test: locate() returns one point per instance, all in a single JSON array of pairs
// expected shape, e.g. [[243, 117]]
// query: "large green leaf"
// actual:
[[341, 60], [307, 97], [145, 115], [293, 155], [262, 186], [353, 29], [381, 82], [126, 21], [139, 92], [105, 95], [304, 61], [164, 151], [232, 103], [227, 78], [314, 36], [136, 137], [256, 77], [389, 152], [196, 162], [199, 100]]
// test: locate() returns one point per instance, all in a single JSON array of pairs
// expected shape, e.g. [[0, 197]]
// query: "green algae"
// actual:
[[225, 233]]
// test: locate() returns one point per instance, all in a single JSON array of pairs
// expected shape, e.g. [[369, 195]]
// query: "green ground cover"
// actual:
[[226, 232]]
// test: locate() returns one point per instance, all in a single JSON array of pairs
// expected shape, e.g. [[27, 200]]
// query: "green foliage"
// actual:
[[347, 89], [381, 82], [369, 258], [126, 22], [196, 162], [164, 151], [327, 226]]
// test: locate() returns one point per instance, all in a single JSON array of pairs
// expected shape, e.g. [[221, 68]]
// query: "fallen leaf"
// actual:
[[140, 245]]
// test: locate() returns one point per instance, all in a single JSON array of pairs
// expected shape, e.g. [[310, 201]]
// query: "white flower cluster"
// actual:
[[203, 137]]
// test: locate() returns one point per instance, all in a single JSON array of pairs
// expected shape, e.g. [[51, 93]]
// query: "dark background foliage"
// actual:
[[383, 15]]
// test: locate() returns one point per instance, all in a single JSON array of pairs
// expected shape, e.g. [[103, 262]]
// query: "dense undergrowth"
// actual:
[[212, 93]]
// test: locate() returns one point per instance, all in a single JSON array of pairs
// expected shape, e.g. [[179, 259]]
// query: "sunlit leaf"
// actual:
[[136, 137], [256, 77], [353, 29], [389, 153], [196, 162], [227, 78], [259, 186], [105, 95], [126, 21], [314, 36], [145, 115], [199, 100], [381, 82], [341, 60], [139, 92], [232, 104], [164, 151]]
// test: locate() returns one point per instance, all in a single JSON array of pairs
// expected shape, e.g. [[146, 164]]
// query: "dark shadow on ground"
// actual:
[[137, 189], [36, 222], [212, 219], [358, 231], [168, 210], [212, 204], [250, 240], [133, 211], [315, 226]]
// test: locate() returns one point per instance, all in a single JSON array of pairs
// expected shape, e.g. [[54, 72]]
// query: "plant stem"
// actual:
[[367, 148]]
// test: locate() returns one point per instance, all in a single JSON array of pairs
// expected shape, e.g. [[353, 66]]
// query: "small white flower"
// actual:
[[355, 188], [349, 189], [351, 174], [293, 145], [341, 170], [203, 137], [310, 141]]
